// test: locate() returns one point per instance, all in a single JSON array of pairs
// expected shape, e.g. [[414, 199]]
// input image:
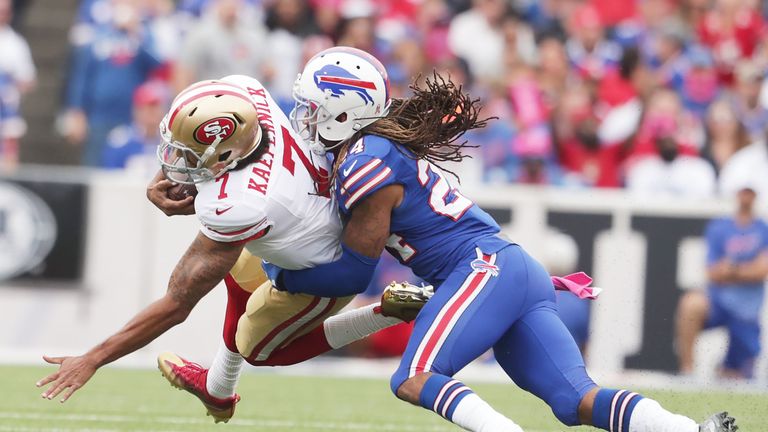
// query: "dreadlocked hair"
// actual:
[[431, 122]]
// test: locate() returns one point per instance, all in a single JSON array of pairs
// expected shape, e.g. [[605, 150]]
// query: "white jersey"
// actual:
[[274, 205]]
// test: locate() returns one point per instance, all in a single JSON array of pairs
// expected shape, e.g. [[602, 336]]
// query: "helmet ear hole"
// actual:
[[224, 156], [341, 118]]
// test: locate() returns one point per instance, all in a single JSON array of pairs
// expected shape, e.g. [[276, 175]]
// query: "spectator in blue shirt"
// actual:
[[134, 146], [737, 261], [17, 76], [106, 69]]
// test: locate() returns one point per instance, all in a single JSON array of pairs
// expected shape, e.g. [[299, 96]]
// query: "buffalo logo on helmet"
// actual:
[[218, 128], [337, 80]]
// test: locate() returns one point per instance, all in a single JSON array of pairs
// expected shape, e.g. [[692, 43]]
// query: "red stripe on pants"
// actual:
[[477, 279], [300, 349], [237, 299]]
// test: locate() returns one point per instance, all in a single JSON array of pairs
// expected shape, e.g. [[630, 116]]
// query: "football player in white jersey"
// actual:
[[260, 193]]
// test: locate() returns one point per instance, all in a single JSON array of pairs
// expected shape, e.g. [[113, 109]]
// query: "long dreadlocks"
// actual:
[[431, 122]]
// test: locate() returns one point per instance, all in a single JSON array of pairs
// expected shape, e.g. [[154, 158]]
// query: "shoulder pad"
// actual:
[[371, 145], [365, 170], [231, 220]]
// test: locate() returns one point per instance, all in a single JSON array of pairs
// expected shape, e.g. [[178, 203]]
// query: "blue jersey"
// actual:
[[739, 244], [435, 226]]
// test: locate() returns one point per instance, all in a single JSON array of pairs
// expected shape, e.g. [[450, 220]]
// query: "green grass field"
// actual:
[[141, 400]]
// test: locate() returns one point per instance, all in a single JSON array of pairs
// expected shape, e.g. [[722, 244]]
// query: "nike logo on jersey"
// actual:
[[349, 170], [220, 212]]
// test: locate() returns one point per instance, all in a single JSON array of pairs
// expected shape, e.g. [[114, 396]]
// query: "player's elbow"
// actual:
[[176, 311], [180, 315]]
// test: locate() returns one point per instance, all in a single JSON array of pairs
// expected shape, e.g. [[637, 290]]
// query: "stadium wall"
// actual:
[[642, 252]]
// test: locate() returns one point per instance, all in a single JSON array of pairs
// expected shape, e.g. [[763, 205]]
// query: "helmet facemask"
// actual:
[[210, 128], [181, 164], [307, 116]]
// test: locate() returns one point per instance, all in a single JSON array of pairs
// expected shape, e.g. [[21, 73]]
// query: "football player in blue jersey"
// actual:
[[489, 293]]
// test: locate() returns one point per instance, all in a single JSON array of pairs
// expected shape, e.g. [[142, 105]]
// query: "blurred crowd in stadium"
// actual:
[[654, 95]]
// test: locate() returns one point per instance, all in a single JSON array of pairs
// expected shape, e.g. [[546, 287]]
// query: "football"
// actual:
[[181, 191]]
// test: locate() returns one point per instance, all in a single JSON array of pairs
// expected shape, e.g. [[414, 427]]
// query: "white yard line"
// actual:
[[244, 423], [52, 429], [4, 428]]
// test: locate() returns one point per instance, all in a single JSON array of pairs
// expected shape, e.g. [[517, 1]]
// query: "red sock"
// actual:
[[300, 349], [237, 299]]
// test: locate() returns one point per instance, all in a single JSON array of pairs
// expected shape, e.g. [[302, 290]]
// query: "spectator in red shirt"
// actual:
[[612, 12], [732, 30], [584, 160], [664, 114]]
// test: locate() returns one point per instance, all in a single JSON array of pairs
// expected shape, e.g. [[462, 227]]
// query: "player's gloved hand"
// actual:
[[157, 193], [273, 273]]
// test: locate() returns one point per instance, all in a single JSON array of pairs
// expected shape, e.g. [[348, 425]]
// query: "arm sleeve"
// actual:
[[235, 224], [148, 51], [78, 76], [349, 275], [715, 247], [359, 177], [764, 240]]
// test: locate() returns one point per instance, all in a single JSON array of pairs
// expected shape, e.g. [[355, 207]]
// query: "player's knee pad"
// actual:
[[565, 406]]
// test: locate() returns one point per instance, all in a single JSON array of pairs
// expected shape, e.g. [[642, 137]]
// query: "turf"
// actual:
[[141, 400]]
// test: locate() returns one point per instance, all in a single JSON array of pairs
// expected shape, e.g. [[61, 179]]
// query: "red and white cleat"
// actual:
[[185, 375]]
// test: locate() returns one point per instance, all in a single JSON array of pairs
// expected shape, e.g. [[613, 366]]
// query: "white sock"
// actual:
[[224, 373], [649, 416], [474, 414], [355, 324]]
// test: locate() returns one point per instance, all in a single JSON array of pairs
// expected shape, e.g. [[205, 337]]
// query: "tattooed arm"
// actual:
[[202, 267]]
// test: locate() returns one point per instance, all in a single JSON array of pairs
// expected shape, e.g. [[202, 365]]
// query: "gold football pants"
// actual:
[[273, 318]]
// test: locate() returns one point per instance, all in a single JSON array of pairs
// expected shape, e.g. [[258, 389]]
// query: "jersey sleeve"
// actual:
[[234, 223], [715, 242], [764, 238], [366, 169]]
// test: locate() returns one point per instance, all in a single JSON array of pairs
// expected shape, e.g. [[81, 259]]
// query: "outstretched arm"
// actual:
[[202, 267], [363, 241]]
